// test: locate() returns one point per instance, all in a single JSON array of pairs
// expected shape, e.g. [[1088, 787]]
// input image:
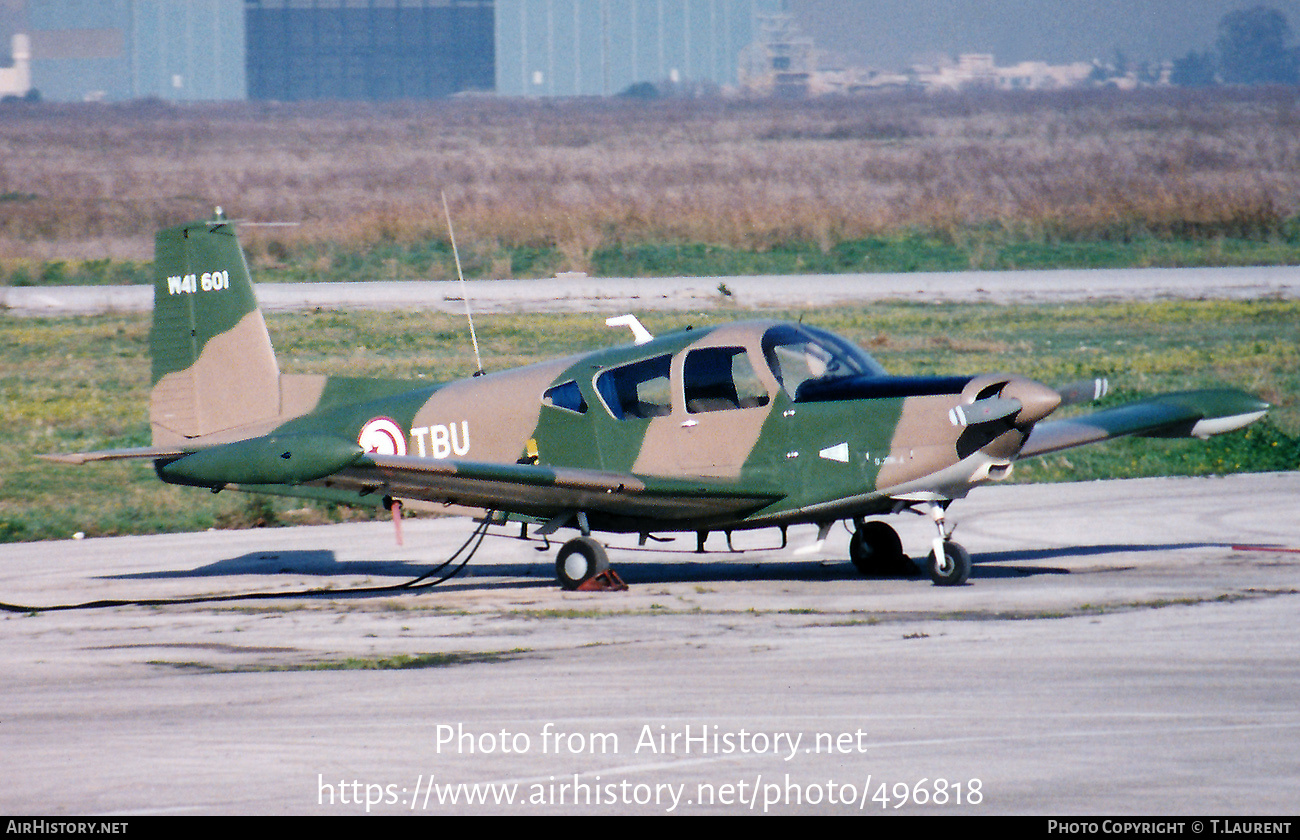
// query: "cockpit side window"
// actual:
[[798, 354], [637, 390], [567, 396], [719, 379]]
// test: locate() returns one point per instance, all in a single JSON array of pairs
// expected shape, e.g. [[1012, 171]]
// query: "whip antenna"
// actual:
[[463, 293]]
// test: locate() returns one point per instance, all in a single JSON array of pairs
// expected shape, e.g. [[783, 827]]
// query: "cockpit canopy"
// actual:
[[797, 354], [723, 376]]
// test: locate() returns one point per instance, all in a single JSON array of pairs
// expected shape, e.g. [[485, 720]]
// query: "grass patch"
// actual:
[[1064, 612], [96, 272], [891, 181], [971, 249], [397, 662], [563, 613], [653, 609], [928, 251]]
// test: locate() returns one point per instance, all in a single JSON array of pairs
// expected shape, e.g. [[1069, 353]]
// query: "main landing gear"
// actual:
[[583, 564], [580, 560], [876, 551]]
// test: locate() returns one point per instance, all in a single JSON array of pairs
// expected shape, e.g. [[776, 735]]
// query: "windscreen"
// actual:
[[798, 354]]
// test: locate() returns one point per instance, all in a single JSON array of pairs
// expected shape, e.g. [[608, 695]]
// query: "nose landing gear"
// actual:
[[876, 551], [949, 561]]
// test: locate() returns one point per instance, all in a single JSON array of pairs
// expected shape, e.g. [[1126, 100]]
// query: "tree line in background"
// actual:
[[1252, 49]]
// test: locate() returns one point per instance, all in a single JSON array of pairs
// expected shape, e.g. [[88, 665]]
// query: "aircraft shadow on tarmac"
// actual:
[[316, 562], [988, 565], [653, 567], [981, 567]]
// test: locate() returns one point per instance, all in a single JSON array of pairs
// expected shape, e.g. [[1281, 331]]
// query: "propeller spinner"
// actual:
[[1023, 400]]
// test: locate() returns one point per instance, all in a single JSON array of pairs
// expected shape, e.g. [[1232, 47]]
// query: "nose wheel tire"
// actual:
[[876, 550], [580, 560], [954, 567]]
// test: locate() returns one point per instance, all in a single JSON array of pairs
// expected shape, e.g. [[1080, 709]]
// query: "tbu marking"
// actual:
[[442, 440]]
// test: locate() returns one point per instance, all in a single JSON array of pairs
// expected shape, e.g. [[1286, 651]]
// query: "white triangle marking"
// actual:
[[838, 452]]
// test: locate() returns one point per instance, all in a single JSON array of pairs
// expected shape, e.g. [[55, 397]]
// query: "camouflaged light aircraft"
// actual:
[[757, 424]]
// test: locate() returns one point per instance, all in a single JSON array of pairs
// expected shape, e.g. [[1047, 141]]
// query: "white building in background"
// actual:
[[980, 70], [782, 61], [1039, 75], [972, 70], [17, 80]]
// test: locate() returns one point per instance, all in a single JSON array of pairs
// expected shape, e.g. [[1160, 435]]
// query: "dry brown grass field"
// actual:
[[90, 182]]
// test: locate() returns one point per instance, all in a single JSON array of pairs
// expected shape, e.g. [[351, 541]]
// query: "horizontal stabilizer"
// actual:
[[150, 452], [1185, 414]]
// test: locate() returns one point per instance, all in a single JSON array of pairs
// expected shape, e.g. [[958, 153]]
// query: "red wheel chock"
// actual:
[[606, 581]]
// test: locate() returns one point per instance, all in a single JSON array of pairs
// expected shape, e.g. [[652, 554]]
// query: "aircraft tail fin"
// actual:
[[213, 365]]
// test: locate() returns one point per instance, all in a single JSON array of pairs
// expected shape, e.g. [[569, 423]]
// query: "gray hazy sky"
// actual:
[[891, 34]]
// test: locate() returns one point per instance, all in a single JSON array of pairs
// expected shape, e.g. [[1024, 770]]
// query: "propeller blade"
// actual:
[[1022, 400], [982, 411], [1084, 391]]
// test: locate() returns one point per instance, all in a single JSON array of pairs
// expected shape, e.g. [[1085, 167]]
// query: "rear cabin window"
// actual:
[[637, 390], [566, 396], [720, 379]]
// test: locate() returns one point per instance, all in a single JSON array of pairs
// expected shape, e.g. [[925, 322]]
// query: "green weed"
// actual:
[[397, 662]]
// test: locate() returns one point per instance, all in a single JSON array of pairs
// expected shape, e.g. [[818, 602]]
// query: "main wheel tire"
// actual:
[[580, 560], [876, 550], [954, 568]]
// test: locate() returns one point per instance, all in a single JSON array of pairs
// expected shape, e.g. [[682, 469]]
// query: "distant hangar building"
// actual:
[[381, 49], [604, 47], [134, 49], [368, 49]]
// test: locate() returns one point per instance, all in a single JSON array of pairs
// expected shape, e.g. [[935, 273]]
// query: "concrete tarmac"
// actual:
[[1123, 647], [580, 293]]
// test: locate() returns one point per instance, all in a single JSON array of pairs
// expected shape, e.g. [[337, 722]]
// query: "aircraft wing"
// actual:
[[545, 491], [1184, 414]]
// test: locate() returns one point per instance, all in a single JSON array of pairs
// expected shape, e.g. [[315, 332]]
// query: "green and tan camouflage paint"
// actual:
[[216, 376], [492, 441]]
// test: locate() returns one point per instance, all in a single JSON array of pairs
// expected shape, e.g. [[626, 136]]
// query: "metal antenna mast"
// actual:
[[463, 293]]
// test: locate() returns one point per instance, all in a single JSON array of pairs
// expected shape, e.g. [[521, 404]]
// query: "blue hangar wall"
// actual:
[[603, 47]]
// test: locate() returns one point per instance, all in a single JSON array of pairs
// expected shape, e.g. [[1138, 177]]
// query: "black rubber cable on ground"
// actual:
[[413, 585]]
